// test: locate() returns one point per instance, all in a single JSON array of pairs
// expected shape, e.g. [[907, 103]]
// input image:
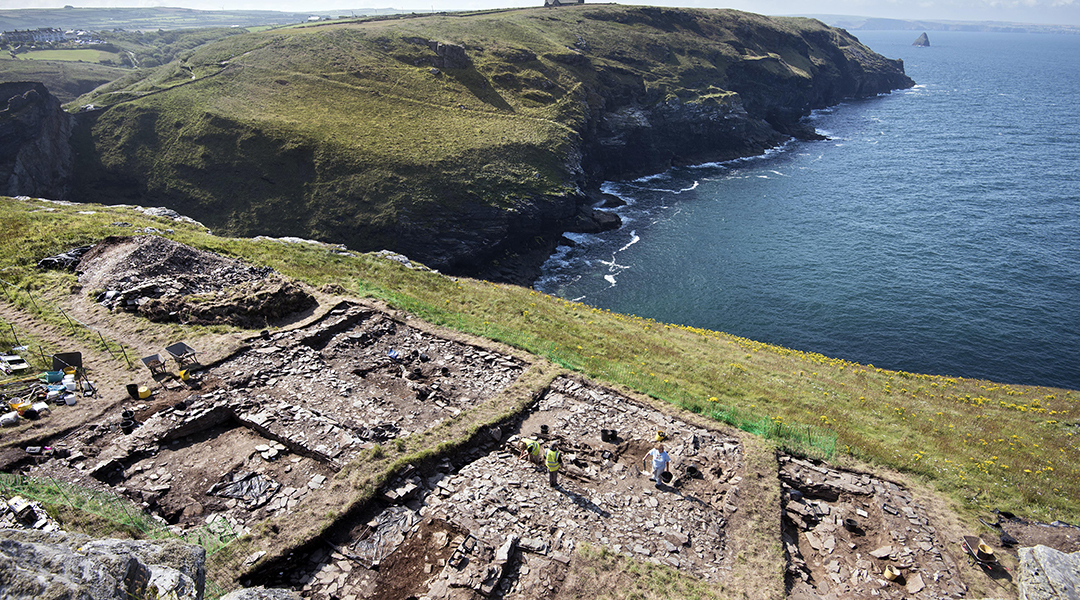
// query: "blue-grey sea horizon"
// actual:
[[936, 230]]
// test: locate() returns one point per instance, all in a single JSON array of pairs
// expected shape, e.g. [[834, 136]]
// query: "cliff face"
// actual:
[[781, 75], [35, 151], [468, 143]]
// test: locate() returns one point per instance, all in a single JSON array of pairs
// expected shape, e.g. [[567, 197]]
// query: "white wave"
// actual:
[[612, 265], [581, 238], [558, 259], [610, 279], [671, 191], [634, 238], [653, 177], [611, 188]]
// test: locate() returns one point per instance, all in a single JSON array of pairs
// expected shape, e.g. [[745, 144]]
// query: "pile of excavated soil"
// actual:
[[165, 280]]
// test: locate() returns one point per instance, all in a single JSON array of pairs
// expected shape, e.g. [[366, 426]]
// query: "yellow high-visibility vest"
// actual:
[[533, 447], [553, 459]]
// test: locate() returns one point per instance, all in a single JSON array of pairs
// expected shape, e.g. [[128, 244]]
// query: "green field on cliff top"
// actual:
[[986, 445]]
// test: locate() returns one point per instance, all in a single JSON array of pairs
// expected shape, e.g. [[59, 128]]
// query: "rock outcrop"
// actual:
[[922, 41], [36, 157], [58, 565], [632, 130], [1047, 574]]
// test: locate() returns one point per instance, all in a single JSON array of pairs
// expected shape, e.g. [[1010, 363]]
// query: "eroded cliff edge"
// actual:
[[35, 153], [467, 142]]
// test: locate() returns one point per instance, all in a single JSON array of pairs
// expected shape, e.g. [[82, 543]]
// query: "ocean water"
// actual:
[[937, 230]]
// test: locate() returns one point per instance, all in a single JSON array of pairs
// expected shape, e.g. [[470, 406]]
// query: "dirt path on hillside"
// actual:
[[104, 370]]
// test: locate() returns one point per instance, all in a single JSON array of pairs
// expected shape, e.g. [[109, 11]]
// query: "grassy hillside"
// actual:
[[66, 80], [361, 132], [151, 18], [984, 444]]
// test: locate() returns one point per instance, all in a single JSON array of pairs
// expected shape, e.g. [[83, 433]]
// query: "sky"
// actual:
[[1064, 12]]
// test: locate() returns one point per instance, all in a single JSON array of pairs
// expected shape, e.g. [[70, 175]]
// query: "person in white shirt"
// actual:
[[660, 460]]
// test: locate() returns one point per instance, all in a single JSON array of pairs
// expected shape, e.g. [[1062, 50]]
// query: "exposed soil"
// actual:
[[1060, 536]]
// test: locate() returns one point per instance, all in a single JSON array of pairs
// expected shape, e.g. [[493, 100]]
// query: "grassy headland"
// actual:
[[986, 445], [432, 134]]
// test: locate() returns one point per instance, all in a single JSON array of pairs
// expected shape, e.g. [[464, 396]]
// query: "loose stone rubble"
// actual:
[[17, 512], [155, 276], [493, 526], [253, 435], [841, 529], [261, 430]]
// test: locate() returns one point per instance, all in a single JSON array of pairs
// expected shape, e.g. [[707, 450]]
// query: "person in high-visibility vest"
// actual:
[[530, 450], [553, 459]]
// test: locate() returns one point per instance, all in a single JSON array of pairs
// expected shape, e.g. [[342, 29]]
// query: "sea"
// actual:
[[936, 230]]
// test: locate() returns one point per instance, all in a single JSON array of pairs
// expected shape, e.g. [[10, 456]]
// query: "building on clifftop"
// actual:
[[562, 2]]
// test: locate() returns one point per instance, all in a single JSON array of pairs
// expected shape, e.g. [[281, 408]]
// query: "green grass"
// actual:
[[84, 55], [1008, 447], [65, 80], [148, 19]]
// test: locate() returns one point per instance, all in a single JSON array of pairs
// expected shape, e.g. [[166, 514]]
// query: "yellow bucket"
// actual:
[[144, 392], [69, 370], [891, 572], [184, 376]]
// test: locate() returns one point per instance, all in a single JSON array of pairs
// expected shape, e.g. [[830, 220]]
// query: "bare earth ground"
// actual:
[[271, 423]]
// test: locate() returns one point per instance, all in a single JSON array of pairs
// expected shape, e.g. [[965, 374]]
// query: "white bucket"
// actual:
[[70, 385], [40, 407], [71, 399]]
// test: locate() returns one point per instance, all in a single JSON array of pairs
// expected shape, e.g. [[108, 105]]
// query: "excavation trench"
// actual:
[[842, 529], [483, 522]]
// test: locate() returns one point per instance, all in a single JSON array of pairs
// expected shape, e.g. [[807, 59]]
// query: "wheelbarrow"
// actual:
[[981, 553], [154, 363], [182, 354]]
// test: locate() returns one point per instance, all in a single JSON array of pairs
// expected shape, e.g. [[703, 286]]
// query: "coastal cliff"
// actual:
[[467, 142], [35, 152]]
